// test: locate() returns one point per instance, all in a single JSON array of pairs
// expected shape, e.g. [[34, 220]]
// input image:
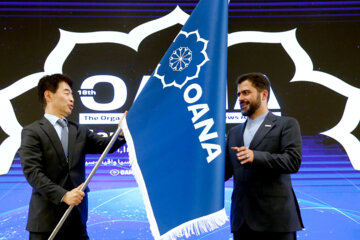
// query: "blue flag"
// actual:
[[175, 129]]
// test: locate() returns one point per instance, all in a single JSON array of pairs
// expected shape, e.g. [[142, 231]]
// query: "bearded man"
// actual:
[[261, 154]]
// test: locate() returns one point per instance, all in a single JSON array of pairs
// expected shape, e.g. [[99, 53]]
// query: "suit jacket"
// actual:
[[46, 169], [263, 196]]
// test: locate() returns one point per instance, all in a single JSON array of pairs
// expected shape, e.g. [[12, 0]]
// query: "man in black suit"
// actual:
[[261, 154], [52, 156]]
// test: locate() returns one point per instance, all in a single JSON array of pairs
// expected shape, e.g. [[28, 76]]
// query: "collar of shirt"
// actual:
[[256, 121], [53, 120], [251, 128]]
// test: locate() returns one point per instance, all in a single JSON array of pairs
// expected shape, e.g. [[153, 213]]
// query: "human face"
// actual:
[[249, 97], [61, 102]]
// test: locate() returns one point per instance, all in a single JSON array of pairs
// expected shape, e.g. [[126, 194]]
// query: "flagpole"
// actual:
[[84, 185]]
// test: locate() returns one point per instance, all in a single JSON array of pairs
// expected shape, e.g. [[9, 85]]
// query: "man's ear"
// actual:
[[264, 95], [48, 96]]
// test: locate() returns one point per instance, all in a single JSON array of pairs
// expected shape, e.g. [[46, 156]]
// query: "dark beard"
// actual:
[[252, 107]]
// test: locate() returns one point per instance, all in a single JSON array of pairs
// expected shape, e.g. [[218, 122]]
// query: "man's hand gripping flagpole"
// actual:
[[87, 181]]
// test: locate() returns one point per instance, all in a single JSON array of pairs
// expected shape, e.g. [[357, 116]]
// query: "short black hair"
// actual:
[[259, 80], [51, 83]]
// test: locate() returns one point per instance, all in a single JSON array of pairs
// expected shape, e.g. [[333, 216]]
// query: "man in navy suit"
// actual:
[[53, 162], [261, 154]]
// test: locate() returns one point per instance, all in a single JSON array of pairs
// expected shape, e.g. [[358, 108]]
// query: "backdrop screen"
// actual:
[[309, 50]]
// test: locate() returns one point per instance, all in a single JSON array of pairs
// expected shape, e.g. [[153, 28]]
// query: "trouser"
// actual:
[[72, 229], [245, 233]]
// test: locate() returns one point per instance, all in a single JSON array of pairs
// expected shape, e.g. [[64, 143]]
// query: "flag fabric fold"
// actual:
[[175, 129]]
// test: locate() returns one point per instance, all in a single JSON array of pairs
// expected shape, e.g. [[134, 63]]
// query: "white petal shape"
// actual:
[[304, 72]]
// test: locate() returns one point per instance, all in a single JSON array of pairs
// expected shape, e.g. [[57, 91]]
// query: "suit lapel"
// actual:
[[239, 141], [265, 127], [50, 131], [72, 138]]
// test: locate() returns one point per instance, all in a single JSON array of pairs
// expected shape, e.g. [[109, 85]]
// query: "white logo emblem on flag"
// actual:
[[180, 60]]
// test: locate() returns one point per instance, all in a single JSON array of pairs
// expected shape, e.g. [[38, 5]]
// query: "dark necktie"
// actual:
[[64, 135]]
